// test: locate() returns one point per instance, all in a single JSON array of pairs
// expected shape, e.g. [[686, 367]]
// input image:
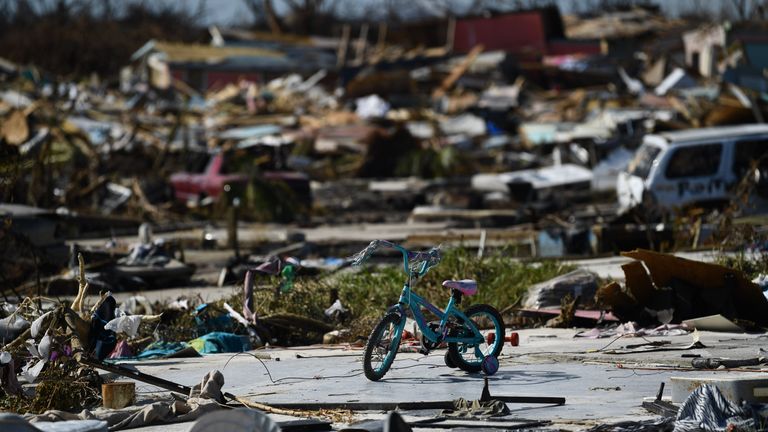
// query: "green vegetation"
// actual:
[[368, 293], [501, 280], [736, 238], [752, 265]]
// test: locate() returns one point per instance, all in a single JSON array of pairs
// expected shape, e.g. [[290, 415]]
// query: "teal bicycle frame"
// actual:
[[415, 302]]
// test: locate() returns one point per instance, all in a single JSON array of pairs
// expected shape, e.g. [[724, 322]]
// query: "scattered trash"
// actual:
[[578, 284]]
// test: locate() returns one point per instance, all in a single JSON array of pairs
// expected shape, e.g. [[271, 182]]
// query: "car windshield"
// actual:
[[641, 164]]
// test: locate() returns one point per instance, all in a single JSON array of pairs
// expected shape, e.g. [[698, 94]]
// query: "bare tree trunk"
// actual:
[[264, 9], [741, 7], [272, 20]]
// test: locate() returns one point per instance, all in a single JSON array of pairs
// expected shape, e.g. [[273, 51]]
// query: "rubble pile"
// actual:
[[564, 162], [477, 134]]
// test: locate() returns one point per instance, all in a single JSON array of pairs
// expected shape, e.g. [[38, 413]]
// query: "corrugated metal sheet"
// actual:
[[514, 32]]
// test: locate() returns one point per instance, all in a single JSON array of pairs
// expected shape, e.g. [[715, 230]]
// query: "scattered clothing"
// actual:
[[102, 341], [162, 349], [706, 409], [122, 350], [463, 408], [128, 324], [220, 342], [209, 387]]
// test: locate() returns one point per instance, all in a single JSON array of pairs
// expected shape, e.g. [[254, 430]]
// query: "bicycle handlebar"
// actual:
[[421, 261]]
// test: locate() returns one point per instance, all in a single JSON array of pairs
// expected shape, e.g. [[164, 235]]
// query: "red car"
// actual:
[[188, 186], [228, 172]]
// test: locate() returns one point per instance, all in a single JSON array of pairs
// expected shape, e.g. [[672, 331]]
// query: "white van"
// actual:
[[694, 167]]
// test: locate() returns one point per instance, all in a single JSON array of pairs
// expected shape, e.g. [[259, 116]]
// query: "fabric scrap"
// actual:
[[122, 350], [463, 408], [127, 324], [162, 349], [220, 342], [706, 409], [38, 323], [209, 387]]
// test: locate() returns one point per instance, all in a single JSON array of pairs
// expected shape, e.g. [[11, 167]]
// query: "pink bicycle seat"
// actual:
[[465, 286]]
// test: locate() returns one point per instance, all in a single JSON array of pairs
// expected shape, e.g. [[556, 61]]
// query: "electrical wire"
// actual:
[[614, 340], [319, 377], [293, 378], [634, 373], [254, 356]]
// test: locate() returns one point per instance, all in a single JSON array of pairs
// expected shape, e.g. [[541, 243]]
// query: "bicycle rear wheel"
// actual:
[[469, 357], [382, 345]]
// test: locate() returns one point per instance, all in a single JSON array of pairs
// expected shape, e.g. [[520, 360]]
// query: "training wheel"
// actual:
[[490, 365]]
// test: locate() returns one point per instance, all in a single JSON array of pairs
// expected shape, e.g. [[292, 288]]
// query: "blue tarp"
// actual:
[[161, 349], [220, 342]]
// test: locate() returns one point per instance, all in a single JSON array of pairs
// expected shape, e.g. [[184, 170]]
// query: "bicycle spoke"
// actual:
[[474, 353], [383, 347]]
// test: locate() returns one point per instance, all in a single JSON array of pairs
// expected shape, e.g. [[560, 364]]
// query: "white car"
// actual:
[[698, 167]]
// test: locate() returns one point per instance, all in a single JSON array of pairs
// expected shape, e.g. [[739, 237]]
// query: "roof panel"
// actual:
[[714, 133]]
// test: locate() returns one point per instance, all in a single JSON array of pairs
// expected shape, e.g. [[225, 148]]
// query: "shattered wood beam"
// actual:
[[458, 71], [382, 37], [269, 408], [76, 193], [361, 44], [341, 53], [272, 19], [22, 338], [450, 34], [80, 328], [77, 303], [143, 201], [185, 88], [166, 146]]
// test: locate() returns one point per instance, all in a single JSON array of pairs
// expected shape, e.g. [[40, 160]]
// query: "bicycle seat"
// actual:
[[467, 287]]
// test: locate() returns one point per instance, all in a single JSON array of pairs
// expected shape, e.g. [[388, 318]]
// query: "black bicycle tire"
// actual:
[[453, 347], [370, 373]]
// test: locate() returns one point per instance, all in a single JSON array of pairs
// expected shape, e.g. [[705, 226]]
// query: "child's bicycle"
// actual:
[[468, 348]]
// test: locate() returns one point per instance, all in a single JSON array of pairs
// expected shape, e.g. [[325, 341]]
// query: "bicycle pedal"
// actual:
[[424, 350]]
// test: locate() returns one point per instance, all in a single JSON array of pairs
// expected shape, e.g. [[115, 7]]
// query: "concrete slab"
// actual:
[[599, 386]]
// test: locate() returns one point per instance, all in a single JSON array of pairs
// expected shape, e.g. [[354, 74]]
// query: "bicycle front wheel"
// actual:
[[381, 349], [469, 357]]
